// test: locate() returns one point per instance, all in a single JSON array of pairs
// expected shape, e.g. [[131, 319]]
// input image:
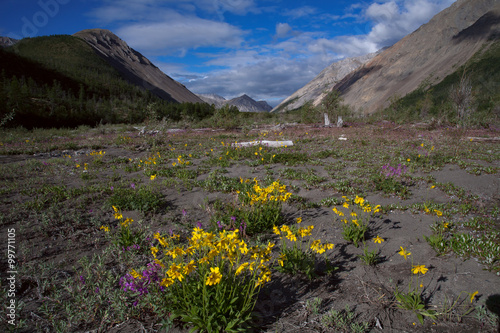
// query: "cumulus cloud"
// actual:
[[267, 77], [139, 10], [282, 30], [272, 69], [394, 20], [386, 24], [178, 33]]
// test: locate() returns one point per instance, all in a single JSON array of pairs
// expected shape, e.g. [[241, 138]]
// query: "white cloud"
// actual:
[[176, 33], [267, 77], [282, 30], [300, 12], [271, 69], [394, 20]]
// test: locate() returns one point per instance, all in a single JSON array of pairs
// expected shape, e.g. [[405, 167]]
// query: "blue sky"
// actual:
[[265, 48]]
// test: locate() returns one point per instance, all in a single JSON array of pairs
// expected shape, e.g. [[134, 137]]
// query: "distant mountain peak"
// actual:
[[244, 103], [7, 41]]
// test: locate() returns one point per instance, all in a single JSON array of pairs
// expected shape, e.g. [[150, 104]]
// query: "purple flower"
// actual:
[[243, 228], [132, 186], [199, 225], [219, 225], [96, 290], [82, 279], [184, 213], [151, 275], [112, 188]]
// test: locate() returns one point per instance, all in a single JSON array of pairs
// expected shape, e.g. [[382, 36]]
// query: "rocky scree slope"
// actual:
[[134, 67], [318, 87], [244, 103], [427, 55]]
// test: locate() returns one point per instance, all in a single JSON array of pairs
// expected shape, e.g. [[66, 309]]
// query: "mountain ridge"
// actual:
[[316, 89], [244, 103], [135, 67], [429, 54]]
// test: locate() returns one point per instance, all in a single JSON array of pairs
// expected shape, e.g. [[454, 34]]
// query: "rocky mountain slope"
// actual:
[[136, 68], [427, 55], [214, 99], [244, 103], [315, 90], [7, 41]]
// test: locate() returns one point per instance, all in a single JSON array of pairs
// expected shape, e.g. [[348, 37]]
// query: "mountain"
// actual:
[[7, 41], [315, 90], [424, 57], [136, 68], [215, 99], [60, 81], [244, 103]]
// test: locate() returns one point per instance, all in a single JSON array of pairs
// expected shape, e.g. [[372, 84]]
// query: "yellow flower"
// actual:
[[214, 277], [115, 209], [473, 295], [276, 230], [438, 213], [291, 236], [359, 201], [408, 160], [160, 239], [135, 275], [189, 268], [105, 228], [378, 239], [403, 252], [345, 205], [338, 212], [153, 177], [419, 269], [167, 282], [175, 272], [241, 268], [433, 186], [282, 259], [126, 222], [118, 216], [154, 251], [299, 219]]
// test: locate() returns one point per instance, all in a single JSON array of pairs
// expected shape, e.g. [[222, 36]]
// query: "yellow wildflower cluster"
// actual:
[[151, 160], [180, 161], [319, 248], [209, 256], [85, 166], [274, 192], [292, 233], [357, 207], [97, 153], [118, 215], [435, 211]]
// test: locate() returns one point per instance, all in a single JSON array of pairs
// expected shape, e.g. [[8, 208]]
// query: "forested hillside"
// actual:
[[56, 81]]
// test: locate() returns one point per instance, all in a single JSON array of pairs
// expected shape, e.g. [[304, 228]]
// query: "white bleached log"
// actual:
[[263, 143]]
